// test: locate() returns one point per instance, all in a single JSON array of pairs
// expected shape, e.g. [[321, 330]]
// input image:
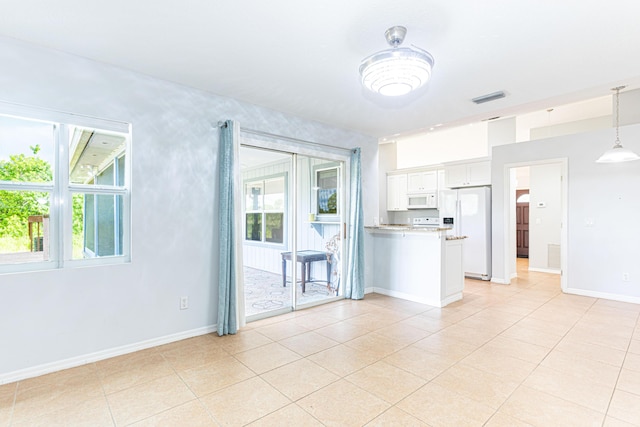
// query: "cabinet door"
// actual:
[[455, 176], [397, 192], [479, 173], [468, 175], [430, 181], [441, 184], [392, 192], [414, 182], [421, 182], [402, 193]]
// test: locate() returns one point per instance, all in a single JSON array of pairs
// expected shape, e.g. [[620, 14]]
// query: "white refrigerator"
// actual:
[[468, 212]]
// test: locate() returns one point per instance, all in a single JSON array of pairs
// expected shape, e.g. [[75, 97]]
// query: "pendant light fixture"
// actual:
[[396, 71], [618, 153]]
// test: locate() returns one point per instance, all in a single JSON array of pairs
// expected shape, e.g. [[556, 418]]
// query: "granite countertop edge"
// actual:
[[408, 228]]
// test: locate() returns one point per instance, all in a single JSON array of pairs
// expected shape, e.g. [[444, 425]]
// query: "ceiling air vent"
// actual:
[[490, 97]]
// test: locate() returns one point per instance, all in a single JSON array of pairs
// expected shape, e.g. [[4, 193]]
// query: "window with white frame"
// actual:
[[327, 183], [264, 210], [64, 192]]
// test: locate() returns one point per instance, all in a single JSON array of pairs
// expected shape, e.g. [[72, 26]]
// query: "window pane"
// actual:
[[120, 182], [105, 177], [327, 182], [274, 227], [274, 195], [253, 196], [120, 227], [254, 226], [26, 150], [120, 178], [105, 225], [87, 217], [91, 152], [24, 226], [97, 222]]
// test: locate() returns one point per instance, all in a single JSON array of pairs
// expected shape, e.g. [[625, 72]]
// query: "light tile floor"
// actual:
[[516, 355]]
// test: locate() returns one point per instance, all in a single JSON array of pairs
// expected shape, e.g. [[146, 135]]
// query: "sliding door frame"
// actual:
[[295, 148]]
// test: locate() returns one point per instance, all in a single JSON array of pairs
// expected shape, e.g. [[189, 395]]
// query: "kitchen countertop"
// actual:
[[405, 227], [408, 228]]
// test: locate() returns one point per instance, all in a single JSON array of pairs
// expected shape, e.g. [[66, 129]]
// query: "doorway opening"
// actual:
[[293, 216], [537, 214]]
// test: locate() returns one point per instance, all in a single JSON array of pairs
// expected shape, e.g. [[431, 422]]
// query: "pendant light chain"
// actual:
[[618, 89], [618, 153], [618, 114]]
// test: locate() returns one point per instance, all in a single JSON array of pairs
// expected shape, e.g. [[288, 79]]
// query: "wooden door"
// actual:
[[522, 224]]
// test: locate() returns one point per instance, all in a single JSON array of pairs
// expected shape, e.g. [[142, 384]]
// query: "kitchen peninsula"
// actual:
[[416, 264]]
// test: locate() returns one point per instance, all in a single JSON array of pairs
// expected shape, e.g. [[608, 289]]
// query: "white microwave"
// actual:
[[422, 201]]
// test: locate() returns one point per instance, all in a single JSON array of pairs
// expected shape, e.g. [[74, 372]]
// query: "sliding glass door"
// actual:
[[293, 209], [319, 240]]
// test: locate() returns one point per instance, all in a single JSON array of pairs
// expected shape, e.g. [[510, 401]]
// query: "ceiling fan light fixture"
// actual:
[[396, 71], [618, 153]]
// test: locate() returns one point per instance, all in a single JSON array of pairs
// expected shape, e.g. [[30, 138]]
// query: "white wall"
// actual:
[[605, 194], [570, 128], [523, 178], [52, 318], [544, 221], [440, 146], [565, 119], [501, 131]]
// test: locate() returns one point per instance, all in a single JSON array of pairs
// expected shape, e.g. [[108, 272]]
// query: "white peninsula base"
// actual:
[[417, 265]]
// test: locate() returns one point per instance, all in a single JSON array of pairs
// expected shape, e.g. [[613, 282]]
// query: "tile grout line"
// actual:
[[499, 334], [104, 393], [543, 359], [615, 386], [13, 404], [478, 306], [196, 397]]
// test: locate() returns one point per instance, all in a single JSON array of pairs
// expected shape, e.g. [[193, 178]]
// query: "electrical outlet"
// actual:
[[625, 277], [184, 303]]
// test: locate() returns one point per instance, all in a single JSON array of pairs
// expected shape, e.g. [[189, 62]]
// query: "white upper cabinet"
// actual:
[[397, 192], [468, 174], [441, 185], [422, 182]]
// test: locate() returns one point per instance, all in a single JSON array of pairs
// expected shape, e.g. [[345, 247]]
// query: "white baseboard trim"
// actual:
[[46, 368], [369, 290], [514, 276], [451, 298], [500, 281], [413, 298], [545, 270], [603, 295]]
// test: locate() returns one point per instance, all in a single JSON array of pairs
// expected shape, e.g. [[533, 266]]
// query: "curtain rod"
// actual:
[[283, 137]]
